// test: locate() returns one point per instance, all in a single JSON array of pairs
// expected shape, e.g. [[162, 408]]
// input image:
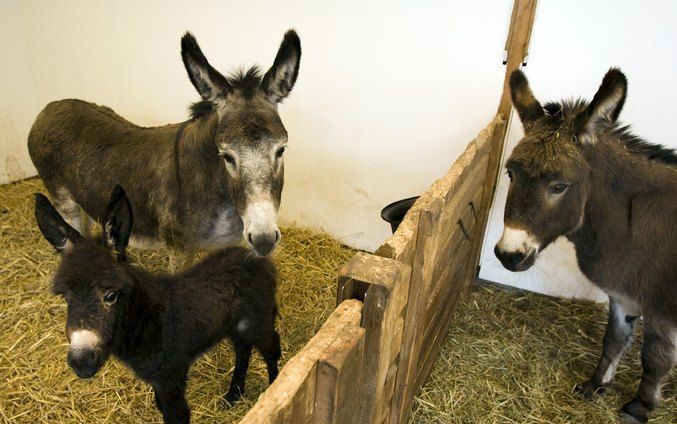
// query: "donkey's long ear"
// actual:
[[117, 223], [211, 84], [55, 229], [281, 77], [606, 105], [528, 108]]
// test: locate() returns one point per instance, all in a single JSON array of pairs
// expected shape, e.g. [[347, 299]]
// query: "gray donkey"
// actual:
[[578, 173], [198, 184]]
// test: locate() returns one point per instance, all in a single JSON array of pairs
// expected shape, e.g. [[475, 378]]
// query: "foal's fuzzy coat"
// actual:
[[159, 324], [579, 174]]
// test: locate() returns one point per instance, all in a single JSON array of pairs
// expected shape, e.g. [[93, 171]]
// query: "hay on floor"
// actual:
[[510, 357], [37, 386], [515, 357]]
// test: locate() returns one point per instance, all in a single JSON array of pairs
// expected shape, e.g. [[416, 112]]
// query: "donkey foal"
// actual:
[[158, 324]]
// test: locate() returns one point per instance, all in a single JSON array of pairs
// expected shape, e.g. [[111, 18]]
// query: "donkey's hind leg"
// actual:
[[658, 357], [271, 351], [243, 351], [617, 338]]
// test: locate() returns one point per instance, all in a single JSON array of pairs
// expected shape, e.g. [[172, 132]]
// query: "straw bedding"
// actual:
[[36, 385], [515, 357], [510, 357]]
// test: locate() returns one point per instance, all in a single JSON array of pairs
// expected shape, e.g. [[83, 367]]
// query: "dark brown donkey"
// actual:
[[578, 173], [200, 184], [158, 324]]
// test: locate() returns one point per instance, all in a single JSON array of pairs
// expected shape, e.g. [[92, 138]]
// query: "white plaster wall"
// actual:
[[18, 104], [573, 45], [389, 92]]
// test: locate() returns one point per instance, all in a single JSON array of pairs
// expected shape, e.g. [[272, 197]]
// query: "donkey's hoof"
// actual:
[[590, 389], [232, 397], [634, 412]]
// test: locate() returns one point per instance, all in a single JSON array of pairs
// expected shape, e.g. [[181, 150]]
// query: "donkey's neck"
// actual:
[[619, 182], [200, 133], [201, 178], [617, 174], [140, 329]]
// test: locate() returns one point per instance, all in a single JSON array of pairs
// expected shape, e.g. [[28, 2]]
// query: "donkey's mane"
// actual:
[[637, 145], [246, 82], [566, 111]]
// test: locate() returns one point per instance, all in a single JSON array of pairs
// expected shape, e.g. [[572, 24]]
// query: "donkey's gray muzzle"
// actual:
[[264, 243]]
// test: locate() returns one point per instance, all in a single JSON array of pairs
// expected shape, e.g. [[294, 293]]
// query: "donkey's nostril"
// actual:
[[277, 236], [249, 238], [515, 261]]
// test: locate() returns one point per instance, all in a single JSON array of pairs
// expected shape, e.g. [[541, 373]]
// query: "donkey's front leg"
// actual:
[[170, 398], [658, 357], [617, 338]]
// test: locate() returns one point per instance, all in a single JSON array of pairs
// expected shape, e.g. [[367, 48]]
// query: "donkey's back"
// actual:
[[77, 148]]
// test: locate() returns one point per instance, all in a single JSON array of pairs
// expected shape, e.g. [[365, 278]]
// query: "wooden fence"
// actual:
[[396, 306], [394, 309]]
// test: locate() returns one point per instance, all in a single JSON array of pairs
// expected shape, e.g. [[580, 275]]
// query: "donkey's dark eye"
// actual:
[[228, 157], [280, 152], [558, 188], [110, 297]]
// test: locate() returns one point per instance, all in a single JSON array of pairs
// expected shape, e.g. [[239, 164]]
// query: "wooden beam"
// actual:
[[384, 286], [291, 397], [517, 45], [339, 372]]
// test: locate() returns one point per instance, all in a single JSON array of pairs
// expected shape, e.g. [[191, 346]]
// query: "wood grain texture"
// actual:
[[291, 397], [339, 373], [385, 297]]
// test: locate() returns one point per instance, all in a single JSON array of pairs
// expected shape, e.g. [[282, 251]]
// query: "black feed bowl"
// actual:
[[394, 212]]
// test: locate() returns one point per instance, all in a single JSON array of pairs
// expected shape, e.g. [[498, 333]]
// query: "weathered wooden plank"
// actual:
[[423, 259], [339, 372], [519, 35], [450, 232], [291, 397], [434, 348], [438, 308], [387, 285], [453, 253], [448, 282]]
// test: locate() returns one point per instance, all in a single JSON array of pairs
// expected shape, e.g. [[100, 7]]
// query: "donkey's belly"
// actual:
[[225, 230]]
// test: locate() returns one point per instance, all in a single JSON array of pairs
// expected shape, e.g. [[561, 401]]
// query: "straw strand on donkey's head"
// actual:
[[578, 173], [200, 184], [159, 324]]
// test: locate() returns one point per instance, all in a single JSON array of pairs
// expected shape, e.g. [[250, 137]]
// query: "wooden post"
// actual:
[[292, 396], [339, 372], [423, 260], [517, 44], [384, 285]]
